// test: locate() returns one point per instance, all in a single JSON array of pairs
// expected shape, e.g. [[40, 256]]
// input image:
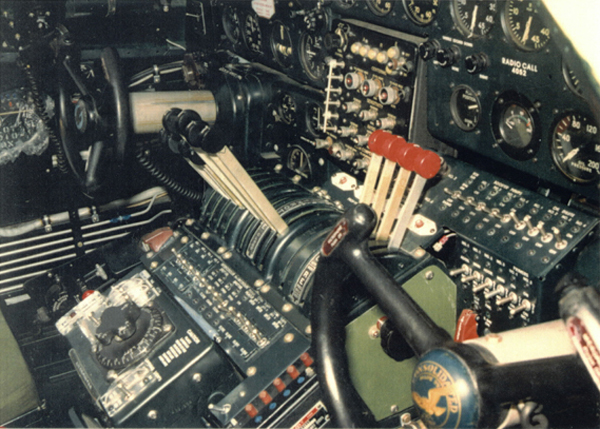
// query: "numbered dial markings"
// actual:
[[465, 108], [575, 148], [252, 34], [421, 12], [312, 56], [380, 7], [474, 18], [523, 25]]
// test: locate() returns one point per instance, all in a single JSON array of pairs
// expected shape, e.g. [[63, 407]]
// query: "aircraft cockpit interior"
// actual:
[[299, 214]]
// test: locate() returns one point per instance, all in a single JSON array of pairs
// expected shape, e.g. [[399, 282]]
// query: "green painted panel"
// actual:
[[382, 382]]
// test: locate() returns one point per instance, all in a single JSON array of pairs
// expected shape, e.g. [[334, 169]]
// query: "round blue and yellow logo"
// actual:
[[443, 391]]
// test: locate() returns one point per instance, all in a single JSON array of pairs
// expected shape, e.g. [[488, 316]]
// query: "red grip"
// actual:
[[428, 164], [376, 139], [410, 156]]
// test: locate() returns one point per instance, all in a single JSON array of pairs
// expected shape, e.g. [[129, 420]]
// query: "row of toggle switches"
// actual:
[[491, 290], [519, 224]]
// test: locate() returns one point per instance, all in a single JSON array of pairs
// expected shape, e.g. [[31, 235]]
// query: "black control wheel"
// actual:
[[94, 121], [454, 385]]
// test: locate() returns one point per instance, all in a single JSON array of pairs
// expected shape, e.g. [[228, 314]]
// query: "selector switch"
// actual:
[[476, 63], [448, 56], [429, 49]]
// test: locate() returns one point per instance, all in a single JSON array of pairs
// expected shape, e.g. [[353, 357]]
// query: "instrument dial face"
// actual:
[[524, 26], [421, 12], [380, 7], [287, 108], [515, 126], [299, 162], [252, 33], [312, 55], [575, 148], [474, 18], [281, 44], [231, 24], [314, 119], [465, 108]]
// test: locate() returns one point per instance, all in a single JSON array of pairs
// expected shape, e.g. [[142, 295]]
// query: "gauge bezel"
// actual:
[[307, 172], [462, 27], [254, 16], [569, 76], [553, 150], [512, 37], [227, 25], [304, 61], [281, 59], [502, 103], [377, 11], [315, 132], [415, 19], [285, 98], [454, 111]]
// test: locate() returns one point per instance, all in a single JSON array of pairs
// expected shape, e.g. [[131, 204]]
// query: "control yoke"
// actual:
[[454, 384]]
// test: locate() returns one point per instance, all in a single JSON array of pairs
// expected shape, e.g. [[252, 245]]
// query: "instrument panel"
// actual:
[[305, 91], [497, 81]]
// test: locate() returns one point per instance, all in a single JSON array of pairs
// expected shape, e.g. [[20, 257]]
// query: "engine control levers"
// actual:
[[454, 384]]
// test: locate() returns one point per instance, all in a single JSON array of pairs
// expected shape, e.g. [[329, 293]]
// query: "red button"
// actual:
[[87, 293], [306, 359], [279, 384], [265, 397], [251, 410], [293, 372]]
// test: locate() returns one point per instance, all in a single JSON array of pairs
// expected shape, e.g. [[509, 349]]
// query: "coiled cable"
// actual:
[[143, 156], [40, 107]]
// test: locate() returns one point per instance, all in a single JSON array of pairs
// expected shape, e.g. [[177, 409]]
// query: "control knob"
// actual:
[[341, 152], [350, 131], [353, 80], [428, 49], [389, 95], [351, 107], [476, 63], [370, 87], [448, 56], [368, 115]]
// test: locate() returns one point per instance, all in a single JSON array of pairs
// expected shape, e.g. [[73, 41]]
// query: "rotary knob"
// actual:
[[448, 56]]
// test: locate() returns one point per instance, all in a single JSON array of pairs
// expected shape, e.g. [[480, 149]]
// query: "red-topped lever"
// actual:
[[426, 165]]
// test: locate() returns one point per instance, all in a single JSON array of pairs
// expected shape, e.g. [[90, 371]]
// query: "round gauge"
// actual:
[[515, 126], [465, 108], [252, 34], [572, 80], [314, 119], [474, 18], [575, 148], [281, 44], [231, 24], [524, 26], [287, 108], [312, 56], [299, 162], [421, 12], [380, 7]]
